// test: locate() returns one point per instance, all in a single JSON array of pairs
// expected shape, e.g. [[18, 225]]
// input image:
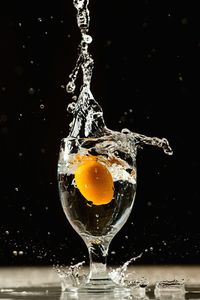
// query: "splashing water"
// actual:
[[75, 276], [88, 122], [71, 276], [170, 289], [123, 278], [87, 114]]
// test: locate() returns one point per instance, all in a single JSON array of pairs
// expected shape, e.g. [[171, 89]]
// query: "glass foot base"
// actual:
[[100, 286]]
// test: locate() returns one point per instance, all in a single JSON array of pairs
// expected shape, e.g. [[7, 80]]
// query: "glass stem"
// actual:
[[98, 253]]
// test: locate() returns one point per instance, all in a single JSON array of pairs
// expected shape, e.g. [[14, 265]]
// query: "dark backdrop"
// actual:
[[146, 78]]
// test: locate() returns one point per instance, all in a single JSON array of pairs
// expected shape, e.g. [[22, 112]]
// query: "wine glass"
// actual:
[[97, 187]]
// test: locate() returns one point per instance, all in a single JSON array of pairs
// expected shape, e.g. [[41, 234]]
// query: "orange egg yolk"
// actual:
[[94, 181]]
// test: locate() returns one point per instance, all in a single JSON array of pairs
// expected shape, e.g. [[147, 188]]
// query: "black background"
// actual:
[[146, 78]]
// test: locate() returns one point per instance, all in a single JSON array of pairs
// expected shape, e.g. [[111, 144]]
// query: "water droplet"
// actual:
[[97, 216], [74, 98], [79, 4], [39, 20], [16, 189], [20, 24], [42, 106], [70, 87], [14, 253], [180, 77], [31, 62], [20, 117], [71, 107], [7, 232], [126, 131], [31, 91], [87, 38], [20, 252]]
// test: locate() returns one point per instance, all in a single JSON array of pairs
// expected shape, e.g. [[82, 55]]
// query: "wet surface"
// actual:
[[43, 283], [54, 293]]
